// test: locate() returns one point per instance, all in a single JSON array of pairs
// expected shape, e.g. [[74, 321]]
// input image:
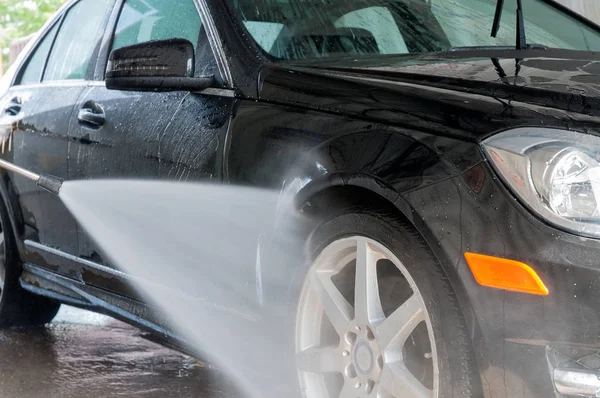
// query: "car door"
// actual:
[[38, 108], [168, 135]]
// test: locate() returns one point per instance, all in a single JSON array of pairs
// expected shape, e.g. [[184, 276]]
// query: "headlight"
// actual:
[[554, 172]]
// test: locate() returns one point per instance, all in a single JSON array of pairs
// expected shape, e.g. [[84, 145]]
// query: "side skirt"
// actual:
[[75, 293]]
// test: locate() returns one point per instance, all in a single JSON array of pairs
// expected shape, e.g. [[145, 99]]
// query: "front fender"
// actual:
[[387, 163]]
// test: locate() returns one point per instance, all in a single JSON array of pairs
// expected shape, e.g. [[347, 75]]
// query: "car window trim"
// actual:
[[107, 39], [215, 42], [211, 91], [57, 22], [59, 83], [90, 72], [95, 56], [40, 37], [60, 25]]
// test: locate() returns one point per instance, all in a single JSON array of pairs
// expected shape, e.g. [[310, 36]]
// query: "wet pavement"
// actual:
[[82, 354]]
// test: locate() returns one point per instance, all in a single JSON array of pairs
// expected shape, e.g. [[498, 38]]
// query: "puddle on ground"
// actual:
[[82, 354]]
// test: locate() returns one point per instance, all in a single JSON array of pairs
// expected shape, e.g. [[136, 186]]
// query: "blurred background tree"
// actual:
[[21, 18]]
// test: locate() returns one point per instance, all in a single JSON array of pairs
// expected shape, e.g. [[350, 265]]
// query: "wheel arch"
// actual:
[[342, 189], [343, 192]]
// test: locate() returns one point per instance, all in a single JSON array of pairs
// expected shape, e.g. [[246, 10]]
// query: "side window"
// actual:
[[148, 20], [35, 66], [79, 35]]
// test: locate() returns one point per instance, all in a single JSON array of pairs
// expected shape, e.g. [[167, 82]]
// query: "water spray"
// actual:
[[228, 251], [49, 183]]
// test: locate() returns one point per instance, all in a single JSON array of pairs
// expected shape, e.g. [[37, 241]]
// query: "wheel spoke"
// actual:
[[319, 360], [399, 382], [321, 299], [396, 328], [336, 307], [367, 305]]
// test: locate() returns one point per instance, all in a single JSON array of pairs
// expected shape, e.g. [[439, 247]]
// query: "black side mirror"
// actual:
[[165, 65]]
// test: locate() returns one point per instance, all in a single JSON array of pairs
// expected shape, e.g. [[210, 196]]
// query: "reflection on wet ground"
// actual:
[[88, 355]]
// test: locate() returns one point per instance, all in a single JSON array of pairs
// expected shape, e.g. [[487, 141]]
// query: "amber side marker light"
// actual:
[[501, 273]]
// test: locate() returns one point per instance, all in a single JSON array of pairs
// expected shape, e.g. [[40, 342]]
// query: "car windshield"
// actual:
[[300, 29]]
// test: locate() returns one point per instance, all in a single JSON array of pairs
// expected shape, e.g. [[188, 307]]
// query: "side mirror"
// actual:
[[165, 65]]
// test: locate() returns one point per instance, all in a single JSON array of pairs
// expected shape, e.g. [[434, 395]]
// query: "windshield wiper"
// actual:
[[497, 48], [497, 17], [521, 38]]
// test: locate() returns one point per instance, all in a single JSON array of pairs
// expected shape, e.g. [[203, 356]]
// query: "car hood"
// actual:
[[541, 86]]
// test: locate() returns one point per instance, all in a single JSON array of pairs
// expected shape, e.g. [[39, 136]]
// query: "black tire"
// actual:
[[459, 376], [18, 307]]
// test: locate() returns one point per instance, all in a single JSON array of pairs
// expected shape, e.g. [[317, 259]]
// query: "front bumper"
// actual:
[[520, 340]]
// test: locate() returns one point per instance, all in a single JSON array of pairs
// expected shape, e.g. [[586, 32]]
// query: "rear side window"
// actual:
[[147, 20], [35, 66], [79, 36]]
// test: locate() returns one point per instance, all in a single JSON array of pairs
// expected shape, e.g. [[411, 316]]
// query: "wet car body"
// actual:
[[454, 197], [404, 129]]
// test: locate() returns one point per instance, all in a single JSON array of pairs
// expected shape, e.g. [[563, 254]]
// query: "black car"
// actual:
[[453, 175]]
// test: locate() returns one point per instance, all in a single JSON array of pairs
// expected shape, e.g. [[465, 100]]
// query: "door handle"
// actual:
[[14, 107], [91, 115]]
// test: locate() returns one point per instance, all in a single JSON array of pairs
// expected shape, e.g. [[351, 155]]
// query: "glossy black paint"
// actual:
[[470, 96], [513, 330], [163, 65], [404, 129], [39, 141], [161, 58]]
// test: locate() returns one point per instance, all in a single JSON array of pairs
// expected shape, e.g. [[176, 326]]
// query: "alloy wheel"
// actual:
[[382, 345]]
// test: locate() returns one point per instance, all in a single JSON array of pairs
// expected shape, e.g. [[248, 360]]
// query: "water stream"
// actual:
[[214, 258]]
